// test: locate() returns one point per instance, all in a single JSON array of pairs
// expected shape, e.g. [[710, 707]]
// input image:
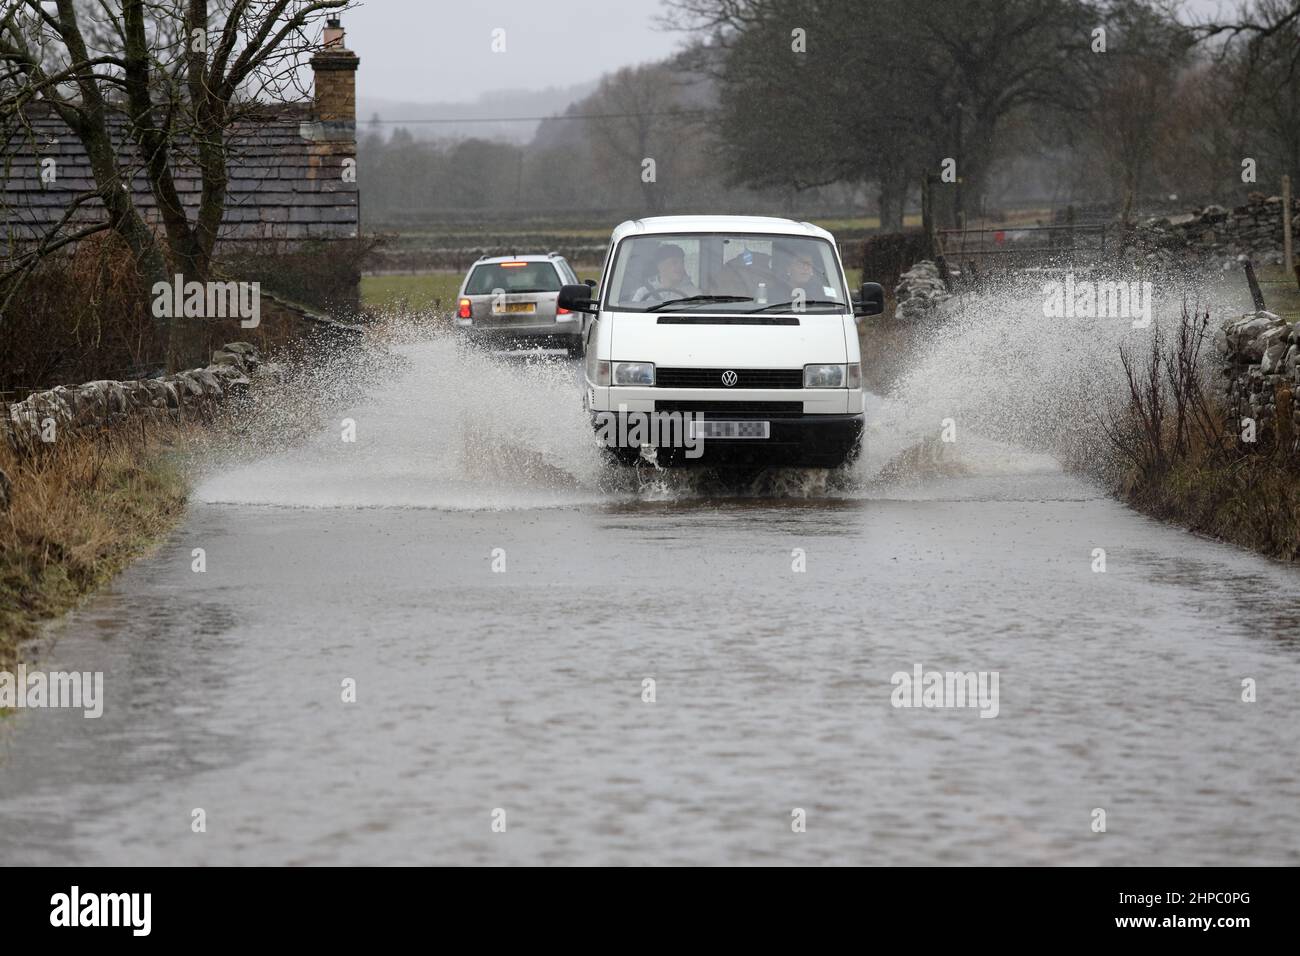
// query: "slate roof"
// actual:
[[286, 178]]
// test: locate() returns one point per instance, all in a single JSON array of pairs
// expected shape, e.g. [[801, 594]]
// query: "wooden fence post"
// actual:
[[1286, 227], [927, 214], [932, 229], [1255, 292]]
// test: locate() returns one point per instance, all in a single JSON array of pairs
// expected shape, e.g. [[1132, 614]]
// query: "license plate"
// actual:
[[708, 429], [519, 307]]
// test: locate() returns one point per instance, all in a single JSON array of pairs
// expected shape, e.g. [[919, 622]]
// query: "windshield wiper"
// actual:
[[786, 305], [701, 298]]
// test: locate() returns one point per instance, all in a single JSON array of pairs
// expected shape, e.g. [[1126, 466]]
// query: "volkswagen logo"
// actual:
[[729, 378]]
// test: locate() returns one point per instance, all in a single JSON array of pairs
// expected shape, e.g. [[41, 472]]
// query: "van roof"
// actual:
[[656, 225]]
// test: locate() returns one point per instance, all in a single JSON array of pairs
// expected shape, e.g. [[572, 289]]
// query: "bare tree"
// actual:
[[1267, 70], [883, 92], [639, 124], [1257, 26], [171, 78], [1132, 90]]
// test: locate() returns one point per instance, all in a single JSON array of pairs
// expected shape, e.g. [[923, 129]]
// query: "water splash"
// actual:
[[1021, 391], [439, 425]]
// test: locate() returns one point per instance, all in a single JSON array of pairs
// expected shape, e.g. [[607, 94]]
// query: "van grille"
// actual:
[[732, 408], [745, 377], [726, 320]]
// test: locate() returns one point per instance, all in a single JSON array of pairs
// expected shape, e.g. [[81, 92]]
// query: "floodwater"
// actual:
[[500, 601]]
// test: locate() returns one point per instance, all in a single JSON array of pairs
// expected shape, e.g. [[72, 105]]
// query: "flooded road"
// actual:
[[500, 602]]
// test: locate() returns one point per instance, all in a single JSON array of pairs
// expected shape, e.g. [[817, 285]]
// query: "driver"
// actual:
[[670, 280], [800, 272]]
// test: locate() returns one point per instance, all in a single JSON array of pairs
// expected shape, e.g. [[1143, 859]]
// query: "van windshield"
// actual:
[[726, 272]]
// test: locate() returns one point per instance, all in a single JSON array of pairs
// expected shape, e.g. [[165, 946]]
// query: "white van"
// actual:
[[724, 340]]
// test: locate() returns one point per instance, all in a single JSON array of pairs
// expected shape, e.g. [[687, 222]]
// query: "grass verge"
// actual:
[[1180, 461], [1253, 501], [79, 512]]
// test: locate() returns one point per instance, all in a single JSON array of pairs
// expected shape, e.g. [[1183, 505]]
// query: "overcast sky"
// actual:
[[441, 50]]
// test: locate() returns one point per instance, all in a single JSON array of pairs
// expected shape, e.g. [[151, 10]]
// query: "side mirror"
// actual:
[[590, 283], [576, 298], [871, 301]]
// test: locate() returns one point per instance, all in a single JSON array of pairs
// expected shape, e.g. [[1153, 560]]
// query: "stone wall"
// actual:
[[1252, 231], [920, 292], [1261, 354], [105, 403]]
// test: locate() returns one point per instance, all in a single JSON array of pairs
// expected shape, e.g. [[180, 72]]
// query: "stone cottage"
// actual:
[[292, 169]]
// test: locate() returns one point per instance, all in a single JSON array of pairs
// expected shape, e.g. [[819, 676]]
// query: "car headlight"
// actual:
[[634, 373], [823, 376]]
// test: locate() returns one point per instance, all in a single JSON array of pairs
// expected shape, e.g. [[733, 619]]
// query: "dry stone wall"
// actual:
[[104, 403]]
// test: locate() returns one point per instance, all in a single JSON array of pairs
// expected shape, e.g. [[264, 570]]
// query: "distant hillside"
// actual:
[[464, 116]]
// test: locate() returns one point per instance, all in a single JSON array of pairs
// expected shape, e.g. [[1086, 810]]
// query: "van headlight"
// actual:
[[824, 376], [634, 373]]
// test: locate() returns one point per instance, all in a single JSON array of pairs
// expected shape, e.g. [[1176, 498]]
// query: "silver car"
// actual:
[[510, 300]]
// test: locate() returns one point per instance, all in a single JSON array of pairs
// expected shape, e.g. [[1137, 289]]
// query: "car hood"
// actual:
[[720, 341]]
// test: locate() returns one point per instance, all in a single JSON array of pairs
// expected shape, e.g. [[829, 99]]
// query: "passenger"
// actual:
[[670, 280]]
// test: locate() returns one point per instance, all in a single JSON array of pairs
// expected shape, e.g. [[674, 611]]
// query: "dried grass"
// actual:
[[1184, 465], [78, 512]]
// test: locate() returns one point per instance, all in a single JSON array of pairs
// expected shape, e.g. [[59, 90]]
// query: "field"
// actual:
[[437, 290], [430, 290], [452, 244], [1281, 292], [424, 264], [454, 230]]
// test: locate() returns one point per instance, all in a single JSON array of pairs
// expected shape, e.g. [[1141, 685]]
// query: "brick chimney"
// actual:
[[335, 68]]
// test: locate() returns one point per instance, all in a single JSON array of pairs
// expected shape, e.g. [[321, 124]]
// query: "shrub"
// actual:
[[78, 317]]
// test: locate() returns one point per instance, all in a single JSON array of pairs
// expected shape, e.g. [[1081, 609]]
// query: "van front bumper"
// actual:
[[808, 440]]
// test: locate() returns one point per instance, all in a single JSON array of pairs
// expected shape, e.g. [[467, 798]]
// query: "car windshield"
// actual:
[[521, 276], [726, 272]]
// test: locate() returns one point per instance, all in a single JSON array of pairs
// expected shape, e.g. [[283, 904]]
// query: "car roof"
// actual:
[[658, 225], [533, 257]]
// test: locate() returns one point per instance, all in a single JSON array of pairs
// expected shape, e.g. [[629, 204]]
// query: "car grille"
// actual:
[[745, 378], [732, 408]]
